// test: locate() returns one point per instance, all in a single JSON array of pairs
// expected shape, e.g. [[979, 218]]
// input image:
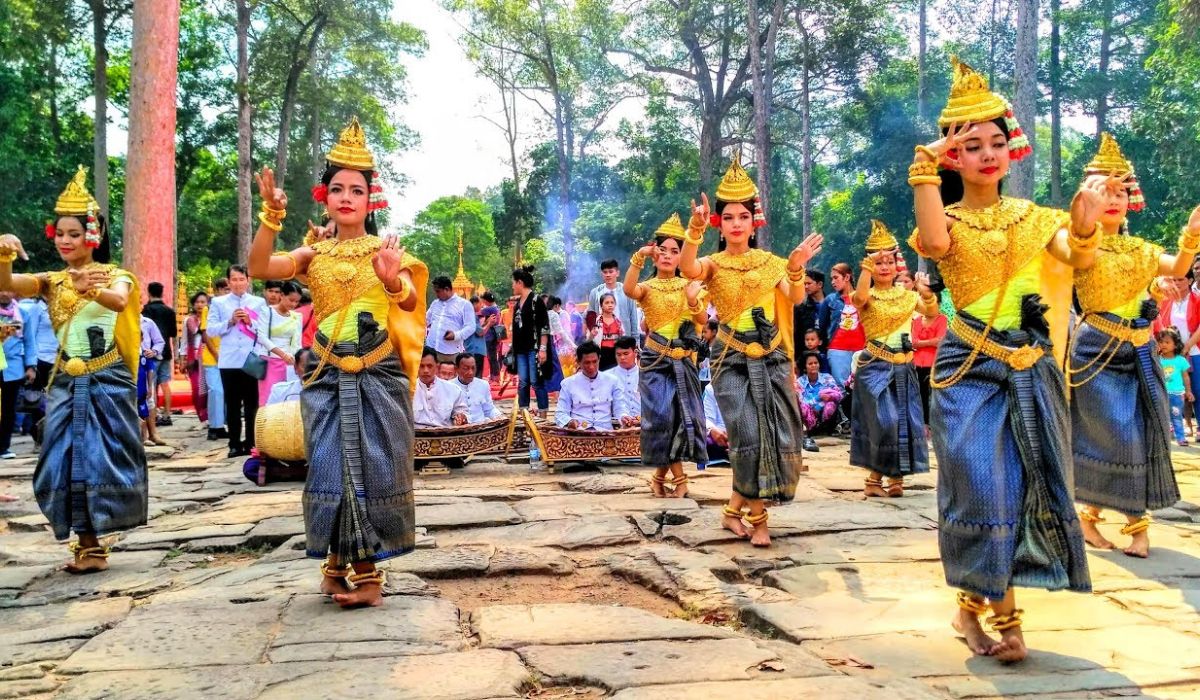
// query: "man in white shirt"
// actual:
[[627, 375], [449, 320], [289, 390], [437, 403], [627, 309], [234, 319], [718, 438], [588, 399], [477, 392]]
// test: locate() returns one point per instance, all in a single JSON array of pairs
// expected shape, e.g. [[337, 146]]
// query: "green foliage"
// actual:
[[434, 240]]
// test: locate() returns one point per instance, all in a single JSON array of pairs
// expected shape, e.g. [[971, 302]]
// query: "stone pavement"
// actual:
[[568, 585]]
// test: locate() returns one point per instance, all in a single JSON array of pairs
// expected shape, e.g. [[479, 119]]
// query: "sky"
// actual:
[[446, 105]]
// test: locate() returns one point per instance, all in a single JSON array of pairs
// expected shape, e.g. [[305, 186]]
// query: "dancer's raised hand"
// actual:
[[700, 213], [941, 149], [807, 250], [388, 260], [272, 195], [11, 245]]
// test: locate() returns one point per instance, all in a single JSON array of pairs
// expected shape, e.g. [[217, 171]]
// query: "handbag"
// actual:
[[29, 400], [255, 364], [510, 361]]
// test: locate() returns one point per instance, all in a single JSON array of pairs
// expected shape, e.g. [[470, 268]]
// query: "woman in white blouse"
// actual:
[[280, 333]]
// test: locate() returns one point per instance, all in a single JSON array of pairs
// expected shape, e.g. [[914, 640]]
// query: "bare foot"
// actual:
[[895, 489], [680, 491], [86, 565], [874, 491], [367, 595], [1011, 648], [1091, 534], [657, 488], [334, 585], [761, 536], [1140, 547], [967, 624], [735, 526]]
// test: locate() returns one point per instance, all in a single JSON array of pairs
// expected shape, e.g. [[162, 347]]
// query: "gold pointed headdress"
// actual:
[[971, 100], [351, 149], [737, 185], [671, 228], [881, 238], [75, 200], [1110, 161]]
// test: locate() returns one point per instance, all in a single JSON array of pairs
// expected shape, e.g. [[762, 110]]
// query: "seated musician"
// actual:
[[437, 403], [589, 399], [627, 375], [445, 370], [477, 392]]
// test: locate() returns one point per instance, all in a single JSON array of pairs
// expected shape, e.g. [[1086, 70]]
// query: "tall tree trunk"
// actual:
[[710, 147], [244, 142], [922, 48], [509, 98], [993, 24], [1021, 177], [806, 154], [55, 120], [1105, 59], [100, 89], [150, 167], [302, 52], [1056, 193], [317, 151], [762, 55]]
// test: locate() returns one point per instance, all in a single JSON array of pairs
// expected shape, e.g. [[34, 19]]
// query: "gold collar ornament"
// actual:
[[1110, 161], [971, 100]]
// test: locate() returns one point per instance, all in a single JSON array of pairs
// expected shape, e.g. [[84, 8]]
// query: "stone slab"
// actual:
[[449, 562], [275, 531], [165, 539], [464, 515], [573, 506], [823, 687], [163, 634], [467, 675], [573, 533], [50, 623], [606, 483], [314, 629], [511, 561], [513, 626]]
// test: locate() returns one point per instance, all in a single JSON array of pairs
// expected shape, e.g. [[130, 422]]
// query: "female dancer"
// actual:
[[672, 411], [194, 338], [368, 303], [280, 334], [887, 434], [91, 473], [1122, 456], [999, 406], [754, 292]]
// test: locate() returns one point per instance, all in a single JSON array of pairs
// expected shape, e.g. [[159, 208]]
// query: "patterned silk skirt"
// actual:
[[91, 473], [1120, 424], [887, 428], [672, 407], [1005, 511], [358, 430], [757, 398]]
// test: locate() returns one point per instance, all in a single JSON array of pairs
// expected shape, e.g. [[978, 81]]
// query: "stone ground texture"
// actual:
[[575, 584]]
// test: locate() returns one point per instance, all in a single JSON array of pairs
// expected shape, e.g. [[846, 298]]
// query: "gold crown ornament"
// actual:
[[881, 238], [75, 200], [738, 186], [1110, 161], [672, 228], [971, 100]]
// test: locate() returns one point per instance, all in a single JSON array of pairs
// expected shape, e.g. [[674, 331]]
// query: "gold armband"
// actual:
[[1189, 241], [922, 169], [695, 234], [289, 256], [637, 260], [1088, 241], [269, 222]]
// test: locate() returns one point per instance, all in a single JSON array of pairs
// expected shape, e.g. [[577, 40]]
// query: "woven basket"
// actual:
[[279, 431]]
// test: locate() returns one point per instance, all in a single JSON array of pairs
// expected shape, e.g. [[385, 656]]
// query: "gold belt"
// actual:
[[353, 364], [754, 351], [881, 353], [667, 350], [1019, 359], [1135, 336], [77, 366]]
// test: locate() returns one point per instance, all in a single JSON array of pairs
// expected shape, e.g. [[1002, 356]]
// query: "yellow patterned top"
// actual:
[[72, 315], [664, 304], [889, 310], [741, 282], [988, 246], [1125, 268]]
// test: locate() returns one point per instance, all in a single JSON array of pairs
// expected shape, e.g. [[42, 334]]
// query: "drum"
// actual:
[[279, 431]]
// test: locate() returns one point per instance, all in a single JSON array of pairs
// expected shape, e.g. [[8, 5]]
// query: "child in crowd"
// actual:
[[1176, 374], [812, 343]]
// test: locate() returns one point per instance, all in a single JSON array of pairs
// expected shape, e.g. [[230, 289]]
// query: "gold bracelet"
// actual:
[[929, 152], [401, 296], [8, 257], [289, 256], [637, 260], [922, 168], [925, 180], [694, 235], [696, 309], [1189, 242], [795, 276], [92, 294], [1086, 241], [266, 221], [867, 264], [279, 214]]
